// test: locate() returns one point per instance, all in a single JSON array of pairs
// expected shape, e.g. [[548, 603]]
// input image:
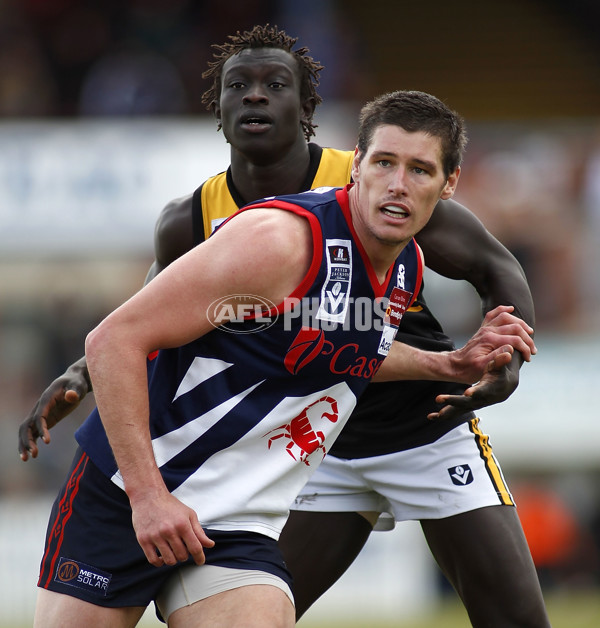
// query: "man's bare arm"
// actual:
[[458, 246], [492, 346]]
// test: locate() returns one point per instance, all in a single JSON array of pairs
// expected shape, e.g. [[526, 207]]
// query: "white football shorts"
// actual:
[[455, 474]]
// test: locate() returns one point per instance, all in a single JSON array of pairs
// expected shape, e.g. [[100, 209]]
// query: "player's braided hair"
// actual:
[[265, 37]]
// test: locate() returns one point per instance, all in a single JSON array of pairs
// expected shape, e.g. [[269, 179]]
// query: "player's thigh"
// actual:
[[318, 547], [485, 556], [253, 606], [56, 610], [323, 538], [481, 544]]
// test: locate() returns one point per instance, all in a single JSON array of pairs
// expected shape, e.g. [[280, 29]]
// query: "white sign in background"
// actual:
[[85, 186]]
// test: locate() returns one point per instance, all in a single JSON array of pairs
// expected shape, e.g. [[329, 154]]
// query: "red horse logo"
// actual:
[[303, 439]]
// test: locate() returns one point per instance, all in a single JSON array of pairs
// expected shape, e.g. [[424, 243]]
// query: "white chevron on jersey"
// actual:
[[168, 445], [200, 370]]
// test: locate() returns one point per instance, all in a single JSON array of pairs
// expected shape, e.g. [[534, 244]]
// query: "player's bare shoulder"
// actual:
[[451, 236], [269, 230], [450, 220], [173, 232], [277, 242]]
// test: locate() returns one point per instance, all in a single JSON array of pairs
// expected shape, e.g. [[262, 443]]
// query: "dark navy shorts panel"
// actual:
[[92, 552]]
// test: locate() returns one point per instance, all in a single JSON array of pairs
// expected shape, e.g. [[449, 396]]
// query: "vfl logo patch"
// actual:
[[335, 293], [82, 576], [461, 475]]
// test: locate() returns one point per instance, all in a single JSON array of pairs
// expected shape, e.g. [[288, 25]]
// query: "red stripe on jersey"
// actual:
[[421, 265]]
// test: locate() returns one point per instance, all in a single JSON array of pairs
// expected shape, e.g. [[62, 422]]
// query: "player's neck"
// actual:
[[381, 253], [256, 178]]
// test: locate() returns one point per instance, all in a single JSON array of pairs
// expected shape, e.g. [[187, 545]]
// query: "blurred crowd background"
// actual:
[[100, 96]]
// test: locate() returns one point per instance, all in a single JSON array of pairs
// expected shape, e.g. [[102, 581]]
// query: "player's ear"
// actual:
[[307, 109], [216, 111], [356, 165], [450, 185]]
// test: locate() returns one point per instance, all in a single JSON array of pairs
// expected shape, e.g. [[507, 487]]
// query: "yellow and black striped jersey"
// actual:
[[217, 198]]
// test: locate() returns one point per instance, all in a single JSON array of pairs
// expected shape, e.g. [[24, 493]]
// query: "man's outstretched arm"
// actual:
[[489, 351], [457, 245]]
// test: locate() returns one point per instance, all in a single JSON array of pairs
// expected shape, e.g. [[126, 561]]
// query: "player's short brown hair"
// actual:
[[416, 111]]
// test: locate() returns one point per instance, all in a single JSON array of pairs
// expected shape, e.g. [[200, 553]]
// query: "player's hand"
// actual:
[[58, 400], [492, 346], [168, 531], [495, 386], [501, 373]]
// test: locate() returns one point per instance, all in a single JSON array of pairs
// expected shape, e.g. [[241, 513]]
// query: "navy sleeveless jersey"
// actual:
[[390, 416], [241, 417]]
